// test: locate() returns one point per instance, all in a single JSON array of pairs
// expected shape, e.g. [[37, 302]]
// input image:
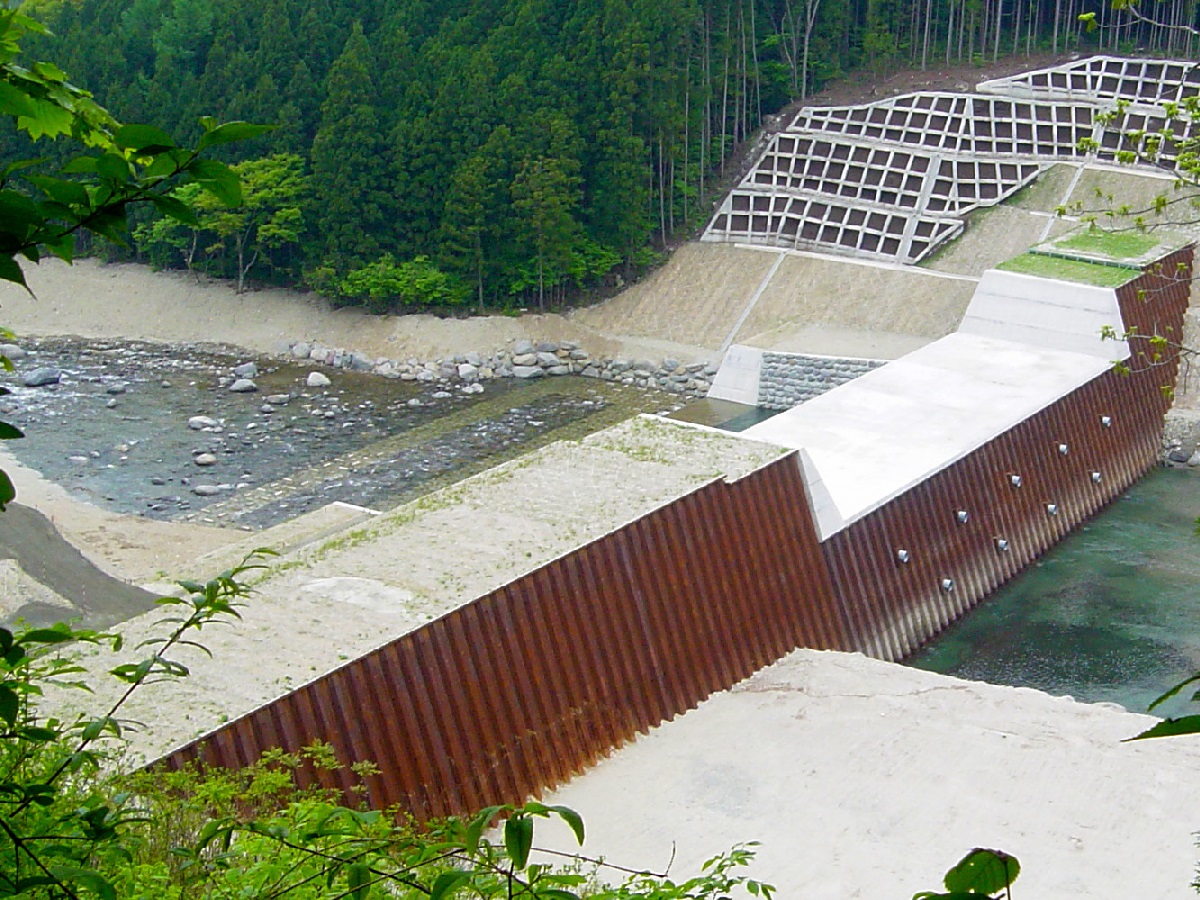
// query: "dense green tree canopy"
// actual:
[[522, 146]]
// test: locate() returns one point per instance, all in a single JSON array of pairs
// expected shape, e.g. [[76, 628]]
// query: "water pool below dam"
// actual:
[[1111, 614]]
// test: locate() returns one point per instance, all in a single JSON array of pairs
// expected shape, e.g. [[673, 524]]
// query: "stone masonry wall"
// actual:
[[789, 379]]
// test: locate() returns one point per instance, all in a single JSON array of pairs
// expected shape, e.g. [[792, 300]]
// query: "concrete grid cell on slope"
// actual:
[[884, 180], [1103, 78]]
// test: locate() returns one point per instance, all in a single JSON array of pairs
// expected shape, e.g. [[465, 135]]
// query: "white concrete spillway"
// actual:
[[1024, 343], [869, 441], [1052, 315]]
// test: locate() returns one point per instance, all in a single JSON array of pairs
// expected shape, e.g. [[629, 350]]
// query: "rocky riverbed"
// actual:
[[190, 432], [525, 360]]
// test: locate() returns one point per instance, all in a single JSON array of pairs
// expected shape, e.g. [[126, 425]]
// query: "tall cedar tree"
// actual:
[[349, 161]]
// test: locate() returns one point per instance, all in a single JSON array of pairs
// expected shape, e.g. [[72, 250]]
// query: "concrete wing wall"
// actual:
[[1056, 315]]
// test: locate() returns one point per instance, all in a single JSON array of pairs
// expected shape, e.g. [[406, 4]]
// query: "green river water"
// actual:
[[1112, 614]]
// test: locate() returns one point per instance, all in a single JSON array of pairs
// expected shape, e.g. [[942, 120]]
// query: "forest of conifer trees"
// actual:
[[503, 152]]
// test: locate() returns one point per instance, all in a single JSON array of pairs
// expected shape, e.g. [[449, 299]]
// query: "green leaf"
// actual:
[[48, 636], [230, 132], [218, 179], [983, 871], [1171, 728], [358, 880], [447, 883], [10, 705], [478, 824], [48, 119], [176, 209], [8, 493], [70, 193], [112, 167], [36, 733], [14, 101], [18, 212], [25, 885], [94, 729], [1173, 691], [10, 270], [573, 819], [88, 878], [143, 138], [518, 839], [10, 432], [80, 165], [167, 164]]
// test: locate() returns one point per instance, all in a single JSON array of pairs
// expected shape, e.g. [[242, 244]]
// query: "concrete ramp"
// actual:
[[737, 379]]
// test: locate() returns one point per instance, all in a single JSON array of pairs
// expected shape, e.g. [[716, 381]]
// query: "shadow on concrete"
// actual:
[[97, 599]]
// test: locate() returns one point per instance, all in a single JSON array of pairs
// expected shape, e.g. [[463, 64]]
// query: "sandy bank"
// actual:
[[132, 302]]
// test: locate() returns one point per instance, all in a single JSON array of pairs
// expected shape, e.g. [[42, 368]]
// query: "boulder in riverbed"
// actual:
[[41, 377]]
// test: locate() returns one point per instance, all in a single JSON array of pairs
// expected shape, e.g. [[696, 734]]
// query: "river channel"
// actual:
[[115, 430]]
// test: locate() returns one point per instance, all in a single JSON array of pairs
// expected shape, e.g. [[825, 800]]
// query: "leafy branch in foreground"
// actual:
[[1151, 351], [42, 210], [1170, 144], [56, 821], [1132, 10], [70, 829]]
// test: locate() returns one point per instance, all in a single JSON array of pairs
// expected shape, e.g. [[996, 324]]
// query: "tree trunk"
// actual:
[[725, 96], [999, 20], [810, 22], [949, 29], [541, 285], [925, 37], [479, 270], [663, 208]]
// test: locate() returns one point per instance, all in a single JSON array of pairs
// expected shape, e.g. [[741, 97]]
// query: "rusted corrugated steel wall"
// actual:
[[524, 687], [528, 685], [897, 606]]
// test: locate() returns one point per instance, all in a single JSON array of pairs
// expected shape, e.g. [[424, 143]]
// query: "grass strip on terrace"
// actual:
[[1113, 244], [1076, 270]]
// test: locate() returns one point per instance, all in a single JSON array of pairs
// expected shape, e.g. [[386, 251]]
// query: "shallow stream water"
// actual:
[[115, 430], [1112, 614]]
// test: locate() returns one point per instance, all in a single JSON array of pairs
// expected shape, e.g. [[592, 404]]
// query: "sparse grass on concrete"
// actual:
[[1045, 193]]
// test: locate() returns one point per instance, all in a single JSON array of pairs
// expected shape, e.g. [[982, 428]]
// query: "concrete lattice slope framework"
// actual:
[[891, 180]]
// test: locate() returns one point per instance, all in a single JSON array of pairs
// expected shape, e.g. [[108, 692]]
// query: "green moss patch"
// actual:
[[1076, 270], [1113, 244]]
